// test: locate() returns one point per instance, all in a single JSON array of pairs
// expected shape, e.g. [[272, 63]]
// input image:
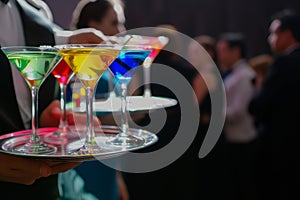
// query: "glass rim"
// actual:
[[75, 46], [138, 47], [28, 48], [159, 40]]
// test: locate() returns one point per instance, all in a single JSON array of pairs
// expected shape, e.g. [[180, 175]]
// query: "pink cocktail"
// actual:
[[157, 43], [63, 74]]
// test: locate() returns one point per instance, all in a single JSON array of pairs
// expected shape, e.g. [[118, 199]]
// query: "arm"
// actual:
[[123, 192], [271, 90], [238, 101], [81, 36], [17, 169], [51, 115], [200, 88]]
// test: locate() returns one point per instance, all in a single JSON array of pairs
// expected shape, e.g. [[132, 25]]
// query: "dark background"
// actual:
[[196, 17]]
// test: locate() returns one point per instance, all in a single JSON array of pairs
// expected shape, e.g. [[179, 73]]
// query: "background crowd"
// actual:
[[258, 60]]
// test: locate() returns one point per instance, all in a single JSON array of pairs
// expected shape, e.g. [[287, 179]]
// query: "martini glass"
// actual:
[[88, 62], [158, 43], [35, 64], [63, 74], [123, 68]]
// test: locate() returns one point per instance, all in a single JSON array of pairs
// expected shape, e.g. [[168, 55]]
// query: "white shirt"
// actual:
[[239, 124], [11, 32], [13, 35]]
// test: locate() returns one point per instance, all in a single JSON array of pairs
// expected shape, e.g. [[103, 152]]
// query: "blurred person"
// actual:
[[201, 61], [104, 15], [23, 23], [239, 130], [260, 64], [276, 107], [204, 58], [208, 43], [108, 17], [178, 180]]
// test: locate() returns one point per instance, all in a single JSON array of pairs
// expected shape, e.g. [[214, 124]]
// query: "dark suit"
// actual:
[[277, 107], [37, 32]]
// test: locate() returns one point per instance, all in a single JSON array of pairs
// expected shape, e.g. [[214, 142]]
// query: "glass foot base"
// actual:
[[59, 137], [39, 148], [126, 141], [86, 150]]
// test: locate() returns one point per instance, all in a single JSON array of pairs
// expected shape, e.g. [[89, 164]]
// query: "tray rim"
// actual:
[[74, 158]]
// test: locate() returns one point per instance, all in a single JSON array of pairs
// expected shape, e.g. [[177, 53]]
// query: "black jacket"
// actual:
[[37, 32], [276, 108]]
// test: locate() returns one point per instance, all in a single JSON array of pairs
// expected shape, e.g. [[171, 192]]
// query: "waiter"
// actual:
[[26, 23]]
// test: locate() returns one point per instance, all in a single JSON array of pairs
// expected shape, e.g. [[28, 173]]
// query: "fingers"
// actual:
[[26, 171], [70, 118], [96, 121], [27, 178], [85, 38], [80, 119], [31, 168], [51, 115], [21, 170], [18, 166], [19, 180]]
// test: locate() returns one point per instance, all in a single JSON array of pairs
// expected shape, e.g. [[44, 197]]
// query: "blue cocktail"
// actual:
[[123, 68]]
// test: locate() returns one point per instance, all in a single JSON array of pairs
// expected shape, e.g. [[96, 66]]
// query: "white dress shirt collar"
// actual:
[[11, 31], [11, 34]]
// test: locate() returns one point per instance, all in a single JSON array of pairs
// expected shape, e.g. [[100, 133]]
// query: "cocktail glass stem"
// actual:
[[147, 77], [112, 93], [124, 117], [34, 138], [124, 138], [63, 134], [63, 122], [35, 145], [35, 64], [90, 137]]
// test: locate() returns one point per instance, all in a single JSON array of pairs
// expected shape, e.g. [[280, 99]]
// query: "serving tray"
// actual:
[[64, 152]]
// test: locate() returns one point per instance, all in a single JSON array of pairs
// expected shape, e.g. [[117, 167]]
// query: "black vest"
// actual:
[[37, 32]]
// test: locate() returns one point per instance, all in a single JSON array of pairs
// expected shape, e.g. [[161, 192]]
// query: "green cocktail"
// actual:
[[35, 64]]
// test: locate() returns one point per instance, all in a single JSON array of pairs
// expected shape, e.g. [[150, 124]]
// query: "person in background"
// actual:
[[205, 64], [97, 179], [178, 180], [260, 65], [212, 177], [104, 15], [100, 15], [276, 107], [239, 130], [24, 24], [208, 43]]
